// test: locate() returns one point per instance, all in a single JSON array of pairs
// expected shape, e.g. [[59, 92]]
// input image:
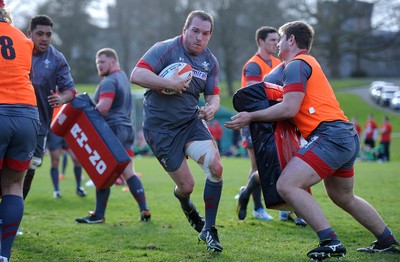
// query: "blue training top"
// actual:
[[50, 70]]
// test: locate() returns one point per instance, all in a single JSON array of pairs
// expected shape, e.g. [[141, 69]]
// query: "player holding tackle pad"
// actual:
[[330, 152]]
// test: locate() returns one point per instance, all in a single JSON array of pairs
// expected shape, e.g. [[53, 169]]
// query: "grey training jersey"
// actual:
[[276, 75], [166, 112], [117, 86]]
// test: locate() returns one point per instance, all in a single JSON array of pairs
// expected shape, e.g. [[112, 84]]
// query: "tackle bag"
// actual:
[[274, 143], [91, 139]]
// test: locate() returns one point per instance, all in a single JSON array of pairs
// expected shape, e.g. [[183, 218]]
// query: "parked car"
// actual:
[[395, 102], [386, 94], [375, 89]]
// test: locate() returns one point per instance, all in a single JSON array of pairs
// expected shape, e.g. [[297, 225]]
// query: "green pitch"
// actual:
[[51, 234]]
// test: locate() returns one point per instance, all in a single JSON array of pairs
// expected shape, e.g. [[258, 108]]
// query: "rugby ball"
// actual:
[[184, 70]]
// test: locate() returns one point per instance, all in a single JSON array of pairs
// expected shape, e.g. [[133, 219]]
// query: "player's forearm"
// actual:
[[66, 96], [213, 101], [272, 114], [147, 79]]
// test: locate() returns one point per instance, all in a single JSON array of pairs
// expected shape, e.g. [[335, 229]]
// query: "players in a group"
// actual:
[[173, 124]]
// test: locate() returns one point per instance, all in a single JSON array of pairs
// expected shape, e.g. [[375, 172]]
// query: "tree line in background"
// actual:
[[346, 42]]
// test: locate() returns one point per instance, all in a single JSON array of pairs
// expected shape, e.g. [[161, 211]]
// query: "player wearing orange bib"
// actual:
[[331, 149], [19, 120], [14, 76]]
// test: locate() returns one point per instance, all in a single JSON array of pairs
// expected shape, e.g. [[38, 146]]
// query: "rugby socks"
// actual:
[[251, 186], [186, 204], [11, 211], [136, 188], [386, 238], [254, 187], [64, 163], [101, 201], [54, 178], [78, 176], [27, 182], [327, 234], [257, 198], [212, 195]]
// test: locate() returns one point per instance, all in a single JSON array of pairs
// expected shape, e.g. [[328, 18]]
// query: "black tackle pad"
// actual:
[[253, 98]]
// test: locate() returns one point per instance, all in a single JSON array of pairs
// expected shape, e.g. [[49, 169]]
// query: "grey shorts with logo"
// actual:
[[169, 147], [332, 149]]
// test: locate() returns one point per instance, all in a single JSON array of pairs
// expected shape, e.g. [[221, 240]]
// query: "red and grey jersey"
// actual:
[[117, 87], [50, 71], [276, 75], [256, 68], [165, 112]]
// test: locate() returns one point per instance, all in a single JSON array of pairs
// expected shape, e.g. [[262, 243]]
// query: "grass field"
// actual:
[[51, 234]]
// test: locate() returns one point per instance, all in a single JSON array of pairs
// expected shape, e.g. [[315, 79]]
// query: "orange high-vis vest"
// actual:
[[265, 68], [15, 65], [319, 103]]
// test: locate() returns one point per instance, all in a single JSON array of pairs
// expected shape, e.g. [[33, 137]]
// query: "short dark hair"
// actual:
[[262, 32], [40, 20], [303, 32], [202, 15], [108, 52]]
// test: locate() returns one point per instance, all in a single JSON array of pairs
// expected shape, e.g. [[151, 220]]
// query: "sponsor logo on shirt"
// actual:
[[199, 74]]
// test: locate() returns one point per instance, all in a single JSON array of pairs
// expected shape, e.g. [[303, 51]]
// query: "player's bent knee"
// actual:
[[216, 171], [211, 163], [344, 201], [212, 166]]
